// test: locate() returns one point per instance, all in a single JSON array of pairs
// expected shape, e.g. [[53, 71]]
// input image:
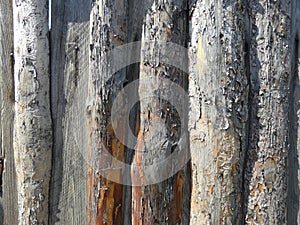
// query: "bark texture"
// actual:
[[108, 30], [33, 127], [218, 120], [270, 78], [160, 127], [241, 118]]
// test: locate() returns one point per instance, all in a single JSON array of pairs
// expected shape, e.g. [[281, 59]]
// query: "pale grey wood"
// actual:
[[8, 197], [32, 127], [69, 76]]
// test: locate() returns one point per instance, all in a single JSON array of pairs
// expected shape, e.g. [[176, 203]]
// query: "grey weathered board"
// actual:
[[69, 78], [8, 198]]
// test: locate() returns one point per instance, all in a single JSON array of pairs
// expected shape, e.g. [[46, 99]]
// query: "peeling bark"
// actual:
[[218, 89], [241, 120], [32, 131], [270, 76], [108, 30], [159, 203]]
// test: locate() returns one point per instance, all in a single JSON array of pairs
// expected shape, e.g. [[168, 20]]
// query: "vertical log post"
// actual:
[[32, 130], [270, 70], [218, 110], [108, 30], [160, 203]]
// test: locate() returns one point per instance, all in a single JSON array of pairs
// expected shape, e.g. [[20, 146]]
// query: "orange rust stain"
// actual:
[[118, 209], [137, 191], [211, 189], [100, 204], [137, 179], [109, 205]]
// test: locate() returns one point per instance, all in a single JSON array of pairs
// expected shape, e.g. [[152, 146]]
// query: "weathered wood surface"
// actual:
[[160, 127], [69, 84], [32, 127], [243, 112], [293, 213], [8, 198], [108, 30], [270, 48], [218, 118]]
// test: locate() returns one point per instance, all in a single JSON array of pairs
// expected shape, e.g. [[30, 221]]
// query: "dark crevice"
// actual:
[[293, 191], [1, 173], [134, 34], [187, 170], [247, 69], [253, 126]]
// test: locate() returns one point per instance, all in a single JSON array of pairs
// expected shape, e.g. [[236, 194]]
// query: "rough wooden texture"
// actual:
[[218, 112], [270, 77], [8, 198], [160, 124], [69, 76], [33, 127], [108, 30]]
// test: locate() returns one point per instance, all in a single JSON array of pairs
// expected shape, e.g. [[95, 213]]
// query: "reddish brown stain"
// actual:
[[176, 213], [137, 179], [109, 203], [90, 174]]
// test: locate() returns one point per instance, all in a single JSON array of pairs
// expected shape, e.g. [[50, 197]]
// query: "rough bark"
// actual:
[[105, 196], [270, 77], [160, 203], [8, 198], [32, 130], [218, 110]]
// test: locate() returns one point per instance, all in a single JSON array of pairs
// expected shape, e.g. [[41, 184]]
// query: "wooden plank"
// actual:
[[293, 191], [69, 74], [8, 192]]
